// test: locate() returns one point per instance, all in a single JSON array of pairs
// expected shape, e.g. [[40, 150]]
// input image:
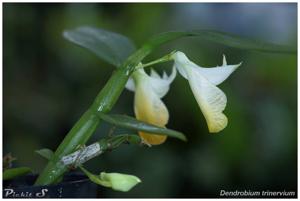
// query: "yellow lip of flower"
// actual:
[[211, 100], [148, 106]]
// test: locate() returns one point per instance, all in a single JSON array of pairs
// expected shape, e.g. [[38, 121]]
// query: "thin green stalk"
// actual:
[[163, 59]]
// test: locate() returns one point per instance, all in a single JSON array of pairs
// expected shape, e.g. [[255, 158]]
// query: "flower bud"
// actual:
[[120, 182]]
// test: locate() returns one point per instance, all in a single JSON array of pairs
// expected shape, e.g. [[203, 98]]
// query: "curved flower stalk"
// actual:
[[148, 106], [211, 100]]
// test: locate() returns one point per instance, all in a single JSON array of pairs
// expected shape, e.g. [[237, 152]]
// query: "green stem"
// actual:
[[87, 124]]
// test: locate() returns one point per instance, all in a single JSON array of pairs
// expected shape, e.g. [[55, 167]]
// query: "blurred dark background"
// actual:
[[48, 83]]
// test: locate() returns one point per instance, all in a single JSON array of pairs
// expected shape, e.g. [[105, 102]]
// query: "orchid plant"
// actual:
[[151, 114]]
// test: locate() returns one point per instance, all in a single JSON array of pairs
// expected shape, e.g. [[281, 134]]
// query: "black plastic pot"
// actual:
[[74, 185]]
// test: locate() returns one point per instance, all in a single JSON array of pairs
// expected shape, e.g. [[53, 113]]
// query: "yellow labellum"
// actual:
[[148, 106]]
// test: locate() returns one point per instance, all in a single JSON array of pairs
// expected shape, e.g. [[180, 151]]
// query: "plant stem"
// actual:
[[84, 154], [87, 124]]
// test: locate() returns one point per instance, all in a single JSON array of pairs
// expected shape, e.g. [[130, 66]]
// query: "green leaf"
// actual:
[[132, 123], [223, 38], [15, 172], [109, 46], [46, 153]]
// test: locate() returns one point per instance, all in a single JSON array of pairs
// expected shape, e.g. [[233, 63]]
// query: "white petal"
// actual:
[[216, 75], [130, 84], [170, 78], [154, 74], [211, 99], [161, 86], [165, 76]]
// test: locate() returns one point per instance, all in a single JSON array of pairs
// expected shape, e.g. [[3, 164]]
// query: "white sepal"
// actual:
[[216, 75]]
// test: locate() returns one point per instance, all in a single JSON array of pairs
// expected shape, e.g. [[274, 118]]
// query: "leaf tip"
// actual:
[[184, 138]]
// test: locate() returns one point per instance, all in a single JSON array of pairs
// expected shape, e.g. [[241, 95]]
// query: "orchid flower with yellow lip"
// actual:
[[148, 106], [211, 100]]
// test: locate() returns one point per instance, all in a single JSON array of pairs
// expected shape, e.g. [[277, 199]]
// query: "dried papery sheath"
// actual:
[[82, 155]]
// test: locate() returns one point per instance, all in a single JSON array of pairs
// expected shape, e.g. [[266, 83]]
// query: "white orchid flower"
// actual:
[[203, 81], [148, 106]]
